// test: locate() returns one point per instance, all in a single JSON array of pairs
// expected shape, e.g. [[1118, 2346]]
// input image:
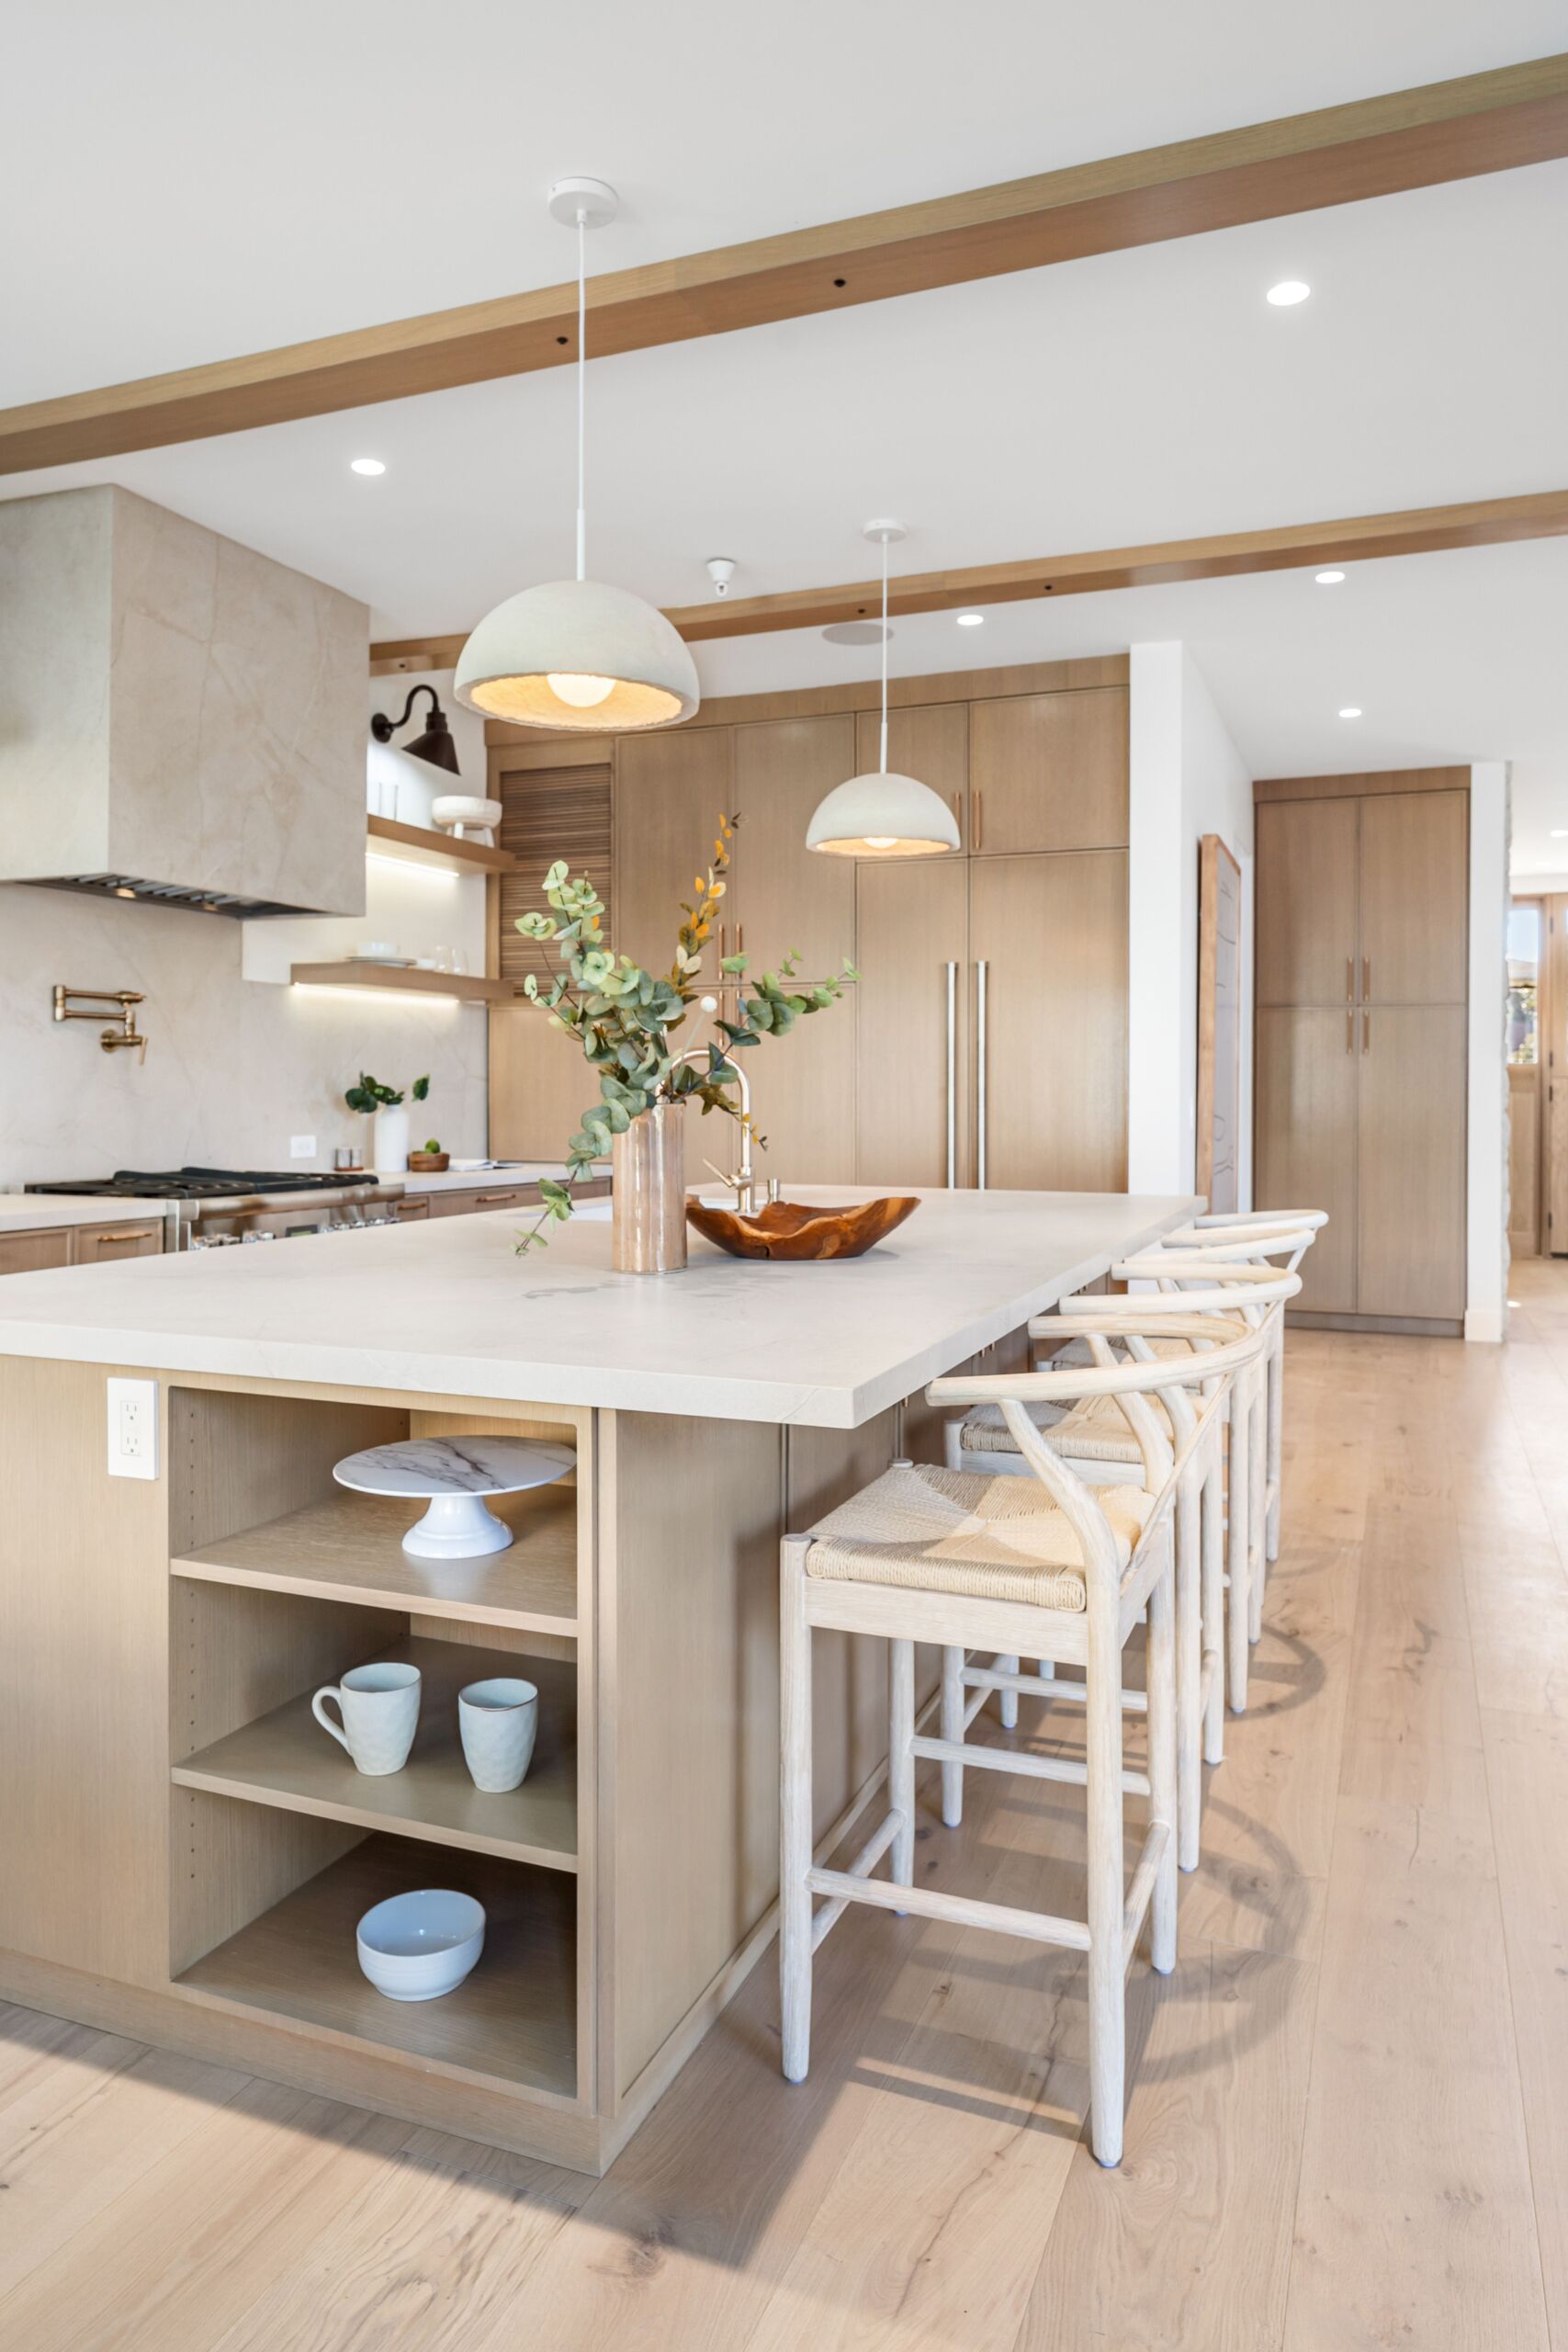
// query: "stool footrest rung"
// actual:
[[1009, 1759], [1039, 1686], [1142, 1888], [864, 1862], [958, 1910]]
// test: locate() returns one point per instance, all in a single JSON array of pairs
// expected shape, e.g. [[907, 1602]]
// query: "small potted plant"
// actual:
[[431, 1160], [390, 1141]]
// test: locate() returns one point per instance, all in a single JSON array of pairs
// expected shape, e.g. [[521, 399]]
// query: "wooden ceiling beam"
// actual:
[[1445, 130], [1359, 538]]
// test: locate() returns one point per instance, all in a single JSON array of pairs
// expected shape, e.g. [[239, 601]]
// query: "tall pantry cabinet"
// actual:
[[1362, 949]]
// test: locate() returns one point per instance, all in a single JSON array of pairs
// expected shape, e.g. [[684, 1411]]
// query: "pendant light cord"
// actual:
[[884, 654], [581, 394]]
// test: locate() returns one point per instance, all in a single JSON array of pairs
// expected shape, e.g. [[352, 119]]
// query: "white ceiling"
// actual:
[[233, 181]]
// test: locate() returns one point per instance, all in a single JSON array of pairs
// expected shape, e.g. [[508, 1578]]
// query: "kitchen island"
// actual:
[[184, 1854]]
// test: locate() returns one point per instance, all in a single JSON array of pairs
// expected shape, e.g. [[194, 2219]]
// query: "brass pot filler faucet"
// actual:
[[112, 1040]]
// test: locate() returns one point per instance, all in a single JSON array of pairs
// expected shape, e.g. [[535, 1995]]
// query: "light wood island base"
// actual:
[[184, 1854]]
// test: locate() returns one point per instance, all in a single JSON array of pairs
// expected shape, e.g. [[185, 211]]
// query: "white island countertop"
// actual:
[[39, 1212], [447, 1308]]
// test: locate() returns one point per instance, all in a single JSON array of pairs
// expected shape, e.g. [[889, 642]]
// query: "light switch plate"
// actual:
[[133, 1429], [301, 1146]]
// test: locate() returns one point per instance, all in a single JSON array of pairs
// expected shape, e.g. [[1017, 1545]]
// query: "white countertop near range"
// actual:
[[35, 1212], [485, 1179], [447, 1308]]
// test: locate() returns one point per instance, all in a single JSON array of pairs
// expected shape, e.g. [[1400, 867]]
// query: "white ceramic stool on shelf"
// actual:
[[454, 1474], [1048, 1568]]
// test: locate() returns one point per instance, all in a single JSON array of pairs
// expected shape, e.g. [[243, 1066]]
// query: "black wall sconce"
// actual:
[[436, 744]]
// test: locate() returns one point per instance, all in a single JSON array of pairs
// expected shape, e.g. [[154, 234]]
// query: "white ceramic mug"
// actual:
[[379, 1705], [499, 1721]]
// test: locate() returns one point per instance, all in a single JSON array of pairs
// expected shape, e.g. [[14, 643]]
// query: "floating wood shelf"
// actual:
[[402, 979], [513, 2019], [285, 1758], [422, 845], [350, 1547]]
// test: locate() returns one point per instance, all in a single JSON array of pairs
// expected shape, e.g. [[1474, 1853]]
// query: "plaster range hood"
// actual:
[[181, 720]]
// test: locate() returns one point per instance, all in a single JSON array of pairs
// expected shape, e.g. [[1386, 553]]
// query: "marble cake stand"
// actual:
[[454, 1474]]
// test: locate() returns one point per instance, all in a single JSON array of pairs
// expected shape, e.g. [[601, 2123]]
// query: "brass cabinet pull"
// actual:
[[493, 1200], [982, 973], [1366, 976], [117, 1241], [977, 829], [1366, 1030], [1349, 979], [741, 939], [1350, 1028], [958, 815]]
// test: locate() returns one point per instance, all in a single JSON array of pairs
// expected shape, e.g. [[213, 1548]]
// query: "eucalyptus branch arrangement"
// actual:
[[624, 1019]]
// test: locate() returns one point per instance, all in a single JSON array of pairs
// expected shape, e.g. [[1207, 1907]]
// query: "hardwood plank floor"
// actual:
[[1346, 2126]]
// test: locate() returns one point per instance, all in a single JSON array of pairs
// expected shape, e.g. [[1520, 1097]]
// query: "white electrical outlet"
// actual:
[[133, 1429], [301, 1146]]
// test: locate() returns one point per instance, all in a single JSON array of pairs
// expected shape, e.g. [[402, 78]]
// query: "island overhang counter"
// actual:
[[183, 1853]]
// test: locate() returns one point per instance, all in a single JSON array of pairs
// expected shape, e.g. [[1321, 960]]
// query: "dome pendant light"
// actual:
[[883, 815], [575, 653]]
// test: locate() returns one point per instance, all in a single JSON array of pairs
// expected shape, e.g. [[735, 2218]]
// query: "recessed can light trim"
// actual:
[[1328, 579], [970, 620], [1352, 710], [366, 465], [1289, 291]]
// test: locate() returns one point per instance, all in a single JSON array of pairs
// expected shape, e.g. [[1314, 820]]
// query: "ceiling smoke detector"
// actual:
[[721, 571]]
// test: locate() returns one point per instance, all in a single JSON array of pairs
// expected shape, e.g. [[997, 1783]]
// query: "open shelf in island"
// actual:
[[349, 1546], [514, 2021], [285, 1758]]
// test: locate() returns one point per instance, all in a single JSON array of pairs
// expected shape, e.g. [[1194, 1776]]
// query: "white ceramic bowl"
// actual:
[[416, 1947]]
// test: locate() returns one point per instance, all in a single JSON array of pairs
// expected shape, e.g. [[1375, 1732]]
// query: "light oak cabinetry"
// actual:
[[33, 1252], [1032, 917], [1361, 1031]]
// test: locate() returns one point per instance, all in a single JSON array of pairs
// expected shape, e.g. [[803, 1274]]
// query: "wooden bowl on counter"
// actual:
[[429, 1163], [790, 1229]]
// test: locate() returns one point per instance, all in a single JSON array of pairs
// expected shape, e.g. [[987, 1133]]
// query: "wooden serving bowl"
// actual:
[[429, 1163], [789, 1230]]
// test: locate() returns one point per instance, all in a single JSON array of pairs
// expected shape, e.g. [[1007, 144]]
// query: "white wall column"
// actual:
[[1186, 778], [1487, 1192]]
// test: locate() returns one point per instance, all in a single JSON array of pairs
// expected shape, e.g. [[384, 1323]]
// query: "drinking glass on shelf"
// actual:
[[459, 959], [442, 959]]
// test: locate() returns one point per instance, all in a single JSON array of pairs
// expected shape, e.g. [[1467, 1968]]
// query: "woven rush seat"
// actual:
[[1095, 1430], [953, 1531]]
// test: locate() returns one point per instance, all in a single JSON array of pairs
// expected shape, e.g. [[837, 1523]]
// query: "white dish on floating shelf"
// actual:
[[417, 1947]]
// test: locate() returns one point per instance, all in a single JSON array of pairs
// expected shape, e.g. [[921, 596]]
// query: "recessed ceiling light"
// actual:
[[855, 632], [366, 465], [970, 620], [1352, 710], [1328, 579], [1560, 832], [1289, 290]]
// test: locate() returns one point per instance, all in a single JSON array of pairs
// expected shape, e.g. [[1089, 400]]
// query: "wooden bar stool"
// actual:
[[1048, 1568]]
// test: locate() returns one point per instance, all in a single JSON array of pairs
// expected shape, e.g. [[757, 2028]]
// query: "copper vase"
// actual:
[[648, 1209]]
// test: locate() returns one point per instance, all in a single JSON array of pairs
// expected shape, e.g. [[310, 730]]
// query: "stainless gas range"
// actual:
[[219, 1208]]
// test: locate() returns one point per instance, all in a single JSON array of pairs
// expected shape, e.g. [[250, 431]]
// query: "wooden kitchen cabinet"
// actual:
[[1308, 1087], [1048, 943], [95, 1245], [913, 1093], [1410, 1161], [1048, 772], [793, 900], [1307, 896], [1363, 959], [671, 791], [30, 1253]]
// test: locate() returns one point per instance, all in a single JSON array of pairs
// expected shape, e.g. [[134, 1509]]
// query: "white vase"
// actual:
[[390, 1142]]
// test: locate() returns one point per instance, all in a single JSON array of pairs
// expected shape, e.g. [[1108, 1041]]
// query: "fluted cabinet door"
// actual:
[[1307, 1088], [912, 929]]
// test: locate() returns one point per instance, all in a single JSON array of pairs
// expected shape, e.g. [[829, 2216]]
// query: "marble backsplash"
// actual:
[[234, 1069]]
